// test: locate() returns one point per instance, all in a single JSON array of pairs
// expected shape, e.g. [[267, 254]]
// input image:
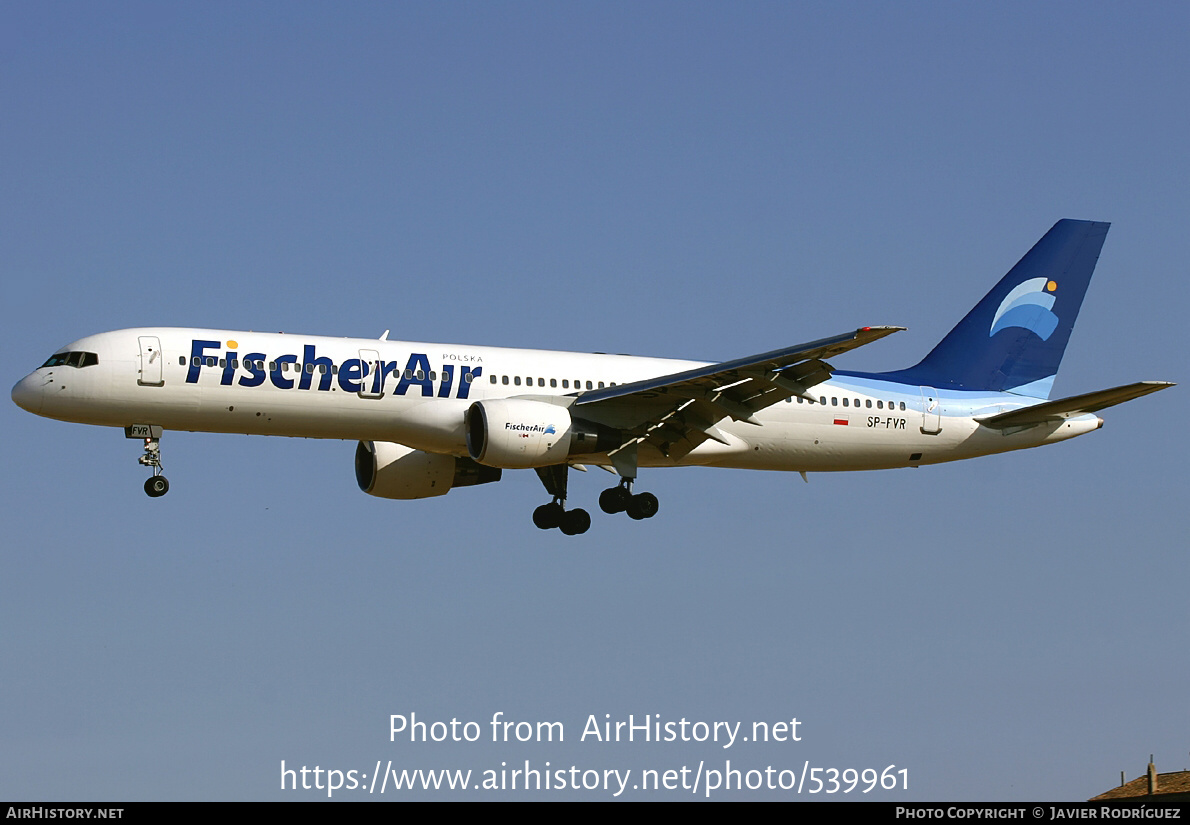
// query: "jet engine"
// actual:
[[392, 470], [516, 433]]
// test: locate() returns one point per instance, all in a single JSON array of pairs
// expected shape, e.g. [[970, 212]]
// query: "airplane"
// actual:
[[429, 418]]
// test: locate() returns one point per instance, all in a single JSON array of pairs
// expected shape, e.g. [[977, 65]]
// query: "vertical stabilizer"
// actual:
[[1013, 340]]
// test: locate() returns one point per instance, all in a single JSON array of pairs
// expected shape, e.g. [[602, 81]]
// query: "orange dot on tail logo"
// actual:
[[234, 345], [1052, 286]]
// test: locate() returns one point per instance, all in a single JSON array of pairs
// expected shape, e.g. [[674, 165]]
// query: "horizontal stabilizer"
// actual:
[[1075, 405]]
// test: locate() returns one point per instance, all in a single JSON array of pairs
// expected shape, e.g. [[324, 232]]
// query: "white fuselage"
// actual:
[[416, 394]]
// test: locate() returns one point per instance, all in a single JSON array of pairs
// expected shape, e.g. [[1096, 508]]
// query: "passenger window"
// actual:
[[516, 379], [181, 360], [600, 385], [468, 378], [553, 382], [902, 405], [493, 377], [880, 405], [834, 401], [565, 383], [504, 380], [589, 385], [844, 402]]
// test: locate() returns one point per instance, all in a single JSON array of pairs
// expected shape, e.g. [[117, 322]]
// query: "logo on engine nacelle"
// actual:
[[529, 428]]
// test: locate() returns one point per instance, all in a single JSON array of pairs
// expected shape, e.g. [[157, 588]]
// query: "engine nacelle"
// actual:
[[516, 433], [395, 471]]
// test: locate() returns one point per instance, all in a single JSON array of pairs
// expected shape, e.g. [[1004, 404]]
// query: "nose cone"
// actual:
[[27, 394]]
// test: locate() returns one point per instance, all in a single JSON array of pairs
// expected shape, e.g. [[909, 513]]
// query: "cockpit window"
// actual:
[[72, 359]]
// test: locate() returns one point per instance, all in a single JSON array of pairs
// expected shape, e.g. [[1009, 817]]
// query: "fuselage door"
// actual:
[[931, 411], [372, 384], [149, 373]]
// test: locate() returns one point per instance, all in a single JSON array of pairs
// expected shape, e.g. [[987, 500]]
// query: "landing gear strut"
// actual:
[[621, 500], [555, 514]]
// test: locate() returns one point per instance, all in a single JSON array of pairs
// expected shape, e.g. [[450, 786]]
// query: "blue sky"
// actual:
[[694, 180]]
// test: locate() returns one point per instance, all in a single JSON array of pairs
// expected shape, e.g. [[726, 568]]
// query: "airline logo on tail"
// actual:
[[1029, 307]]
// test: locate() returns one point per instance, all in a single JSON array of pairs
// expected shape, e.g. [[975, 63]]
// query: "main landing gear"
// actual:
[[156, 485], [619, 499], [555, 514]]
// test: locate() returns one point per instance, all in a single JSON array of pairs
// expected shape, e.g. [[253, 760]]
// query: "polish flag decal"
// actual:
[[842, 421]]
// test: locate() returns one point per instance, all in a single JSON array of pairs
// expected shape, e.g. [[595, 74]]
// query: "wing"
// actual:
[[675, 413]]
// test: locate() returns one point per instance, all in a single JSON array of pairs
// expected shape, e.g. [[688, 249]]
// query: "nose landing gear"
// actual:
[[156, 485]]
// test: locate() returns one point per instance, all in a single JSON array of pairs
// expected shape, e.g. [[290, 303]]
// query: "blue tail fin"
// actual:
[[1014, 338]]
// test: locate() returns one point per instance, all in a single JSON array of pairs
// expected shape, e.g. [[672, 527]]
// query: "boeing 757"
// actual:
[[433, 417]]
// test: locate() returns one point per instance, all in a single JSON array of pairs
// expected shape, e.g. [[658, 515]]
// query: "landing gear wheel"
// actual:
[[156, 486], [643, 505], [575, 522], [614, 500], [547, 516]]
